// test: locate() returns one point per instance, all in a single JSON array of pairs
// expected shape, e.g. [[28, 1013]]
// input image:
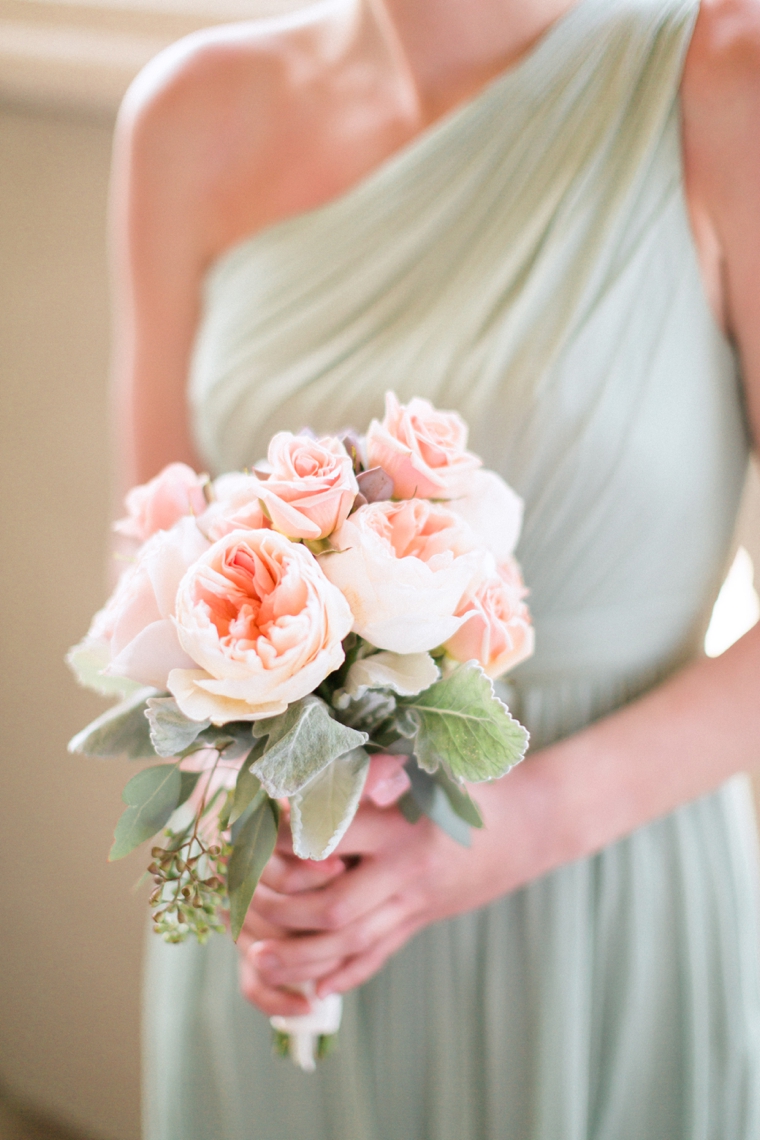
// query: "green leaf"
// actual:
[[232, 740], [187, 786], [321, 812], [88, 660], [247, 789], [151, 796], [250, 854], [459, 798], [408, 807], [171, 732], [302, 741], [462, 725], [431, 800], [121, 731]]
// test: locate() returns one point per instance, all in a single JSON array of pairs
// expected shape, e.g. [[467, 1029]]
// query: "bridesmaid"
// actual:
[[233, 135]]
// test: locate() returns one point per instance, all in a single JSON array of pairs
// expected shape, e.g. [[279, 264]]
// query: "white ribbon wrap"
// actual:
[[304, 1031]]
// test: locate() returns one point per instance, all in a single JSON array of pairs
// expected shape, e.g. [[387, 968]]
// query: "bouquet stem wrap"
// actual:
[[305, 1031]]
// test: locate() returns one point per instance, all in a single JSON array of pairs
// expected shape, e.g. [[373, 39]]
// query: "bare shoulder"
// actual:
[[204, 129], [721, 83]]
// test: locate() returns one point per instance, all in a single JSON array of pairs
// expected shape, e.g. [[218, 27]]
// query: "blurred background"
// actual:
[[72, 928]]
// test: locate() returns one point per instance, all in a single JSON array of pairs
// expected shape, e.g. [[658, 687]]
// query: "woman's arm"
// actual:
[[673, 745]]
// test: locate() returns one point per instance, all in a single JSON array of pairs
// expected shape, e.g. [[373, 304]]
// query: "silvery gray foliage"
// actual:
[[171, 732], [120, 731], [302, 741], [321, 812], [460, 724]]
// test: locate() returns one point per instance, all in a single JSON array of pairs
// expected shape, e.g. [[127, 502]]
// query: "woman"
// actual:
[[484, 203]]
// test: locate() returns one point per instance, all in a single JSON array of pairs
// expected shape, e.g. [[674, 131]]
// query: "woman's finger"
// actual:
[[375, 829], [285, 962], [360, 968], [269, 1000], [360, 890], [288, 874], [386, 780]]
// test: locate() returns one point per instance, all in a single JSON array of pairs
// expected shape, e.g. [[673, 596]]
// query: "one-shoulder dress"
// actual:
[[528, 261]]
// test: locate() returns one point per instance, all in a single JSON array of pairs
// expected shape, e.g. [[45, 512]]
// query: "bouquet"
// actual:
[[277, 626]]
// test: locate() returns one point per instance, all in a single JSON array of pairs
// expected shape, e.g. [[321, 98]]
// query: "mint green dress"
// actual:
[[528, 261]]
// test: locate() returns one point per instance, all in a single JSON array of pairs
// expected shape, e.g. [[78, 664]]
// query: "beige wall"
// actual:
[[71, 930]]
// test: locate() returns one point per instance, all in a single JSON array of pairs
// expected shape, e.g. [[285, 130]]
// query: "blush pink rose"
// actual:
[[497, 630], [134, 636], [157, 505], [235, 505], [422, 449], [262, 625], [311, 486], [404, 567]]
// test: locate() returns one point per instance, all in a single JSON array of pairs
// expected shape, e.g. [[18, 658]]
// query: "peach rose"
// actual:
[[133, 636], [175, 492], [235, 505], [262, 625], [497, 630], [404, 568], [422, 449], [311, 487]]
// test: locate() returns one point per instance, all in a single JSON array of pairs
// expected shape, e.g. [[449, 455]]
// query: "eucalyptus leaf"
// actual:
[[409, 808], [171, 732], [250, 853], [431, 800], [321, 812], [462, 725], [247, 789], [120, 731], [459, 798], [187, 787], [151, 797], [301, 742]]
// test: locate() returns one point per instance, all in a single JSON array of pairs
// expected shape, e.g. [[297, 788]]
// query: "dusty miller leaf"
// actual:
[[321, 812], [302, 741], [171, 732], [120, 731], [462, 725], [231, 740], [250, 853], [151, 796]]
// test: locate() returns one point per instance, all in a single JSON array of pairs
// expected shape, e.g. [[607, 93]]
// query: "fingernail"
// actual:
[[265, 957]]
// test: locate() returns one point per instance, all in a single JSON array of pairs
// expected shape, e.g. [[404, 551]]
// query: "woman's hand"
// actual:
[[337, 921]]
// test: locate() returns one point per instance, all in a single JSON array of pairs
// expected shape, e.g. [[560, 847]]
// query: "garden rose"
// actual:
[[422, 449], [404, 568], [494, 512], [133, 636], [157, 505], [311, 487], [262, 625], [236, 505], [497, 630]]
